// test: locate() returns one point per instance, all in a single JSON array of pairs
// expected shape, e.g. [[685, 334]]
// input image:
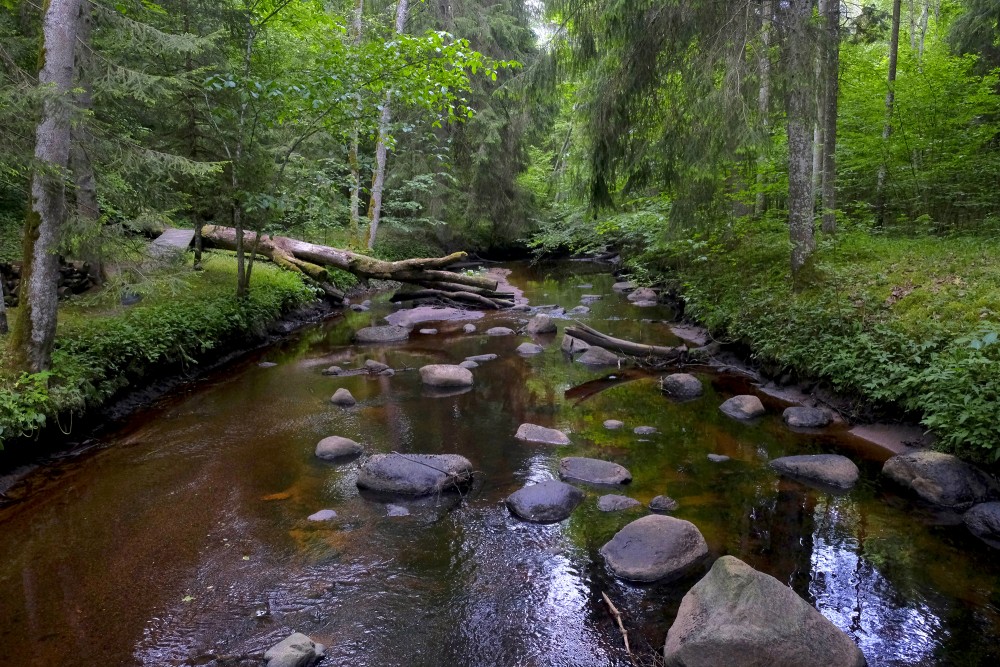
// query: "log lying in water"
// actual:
[[595, 337], [313, 260]]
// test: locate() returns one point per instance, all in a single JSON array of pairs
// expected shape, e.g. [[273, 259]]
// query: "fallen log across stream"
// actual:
[[312, 260], [595, 337]]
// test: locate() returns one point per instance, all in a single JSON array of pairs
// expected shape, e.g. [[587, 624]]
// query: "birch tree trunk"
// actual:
[[35, 328], [890, 99], [830, 111], [801, 115], [764, 100], [378, 183], [352, 153]]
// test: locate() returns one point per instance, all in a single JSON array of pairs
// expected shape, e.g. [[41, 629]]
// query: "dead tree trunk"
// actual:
[[313, 260]]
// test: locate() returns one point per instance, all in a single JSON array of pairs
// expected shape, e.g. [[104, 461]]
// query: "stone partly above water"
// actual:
[[415, 474], [941, 479], [529, 348], [654, 547], [803, 417], [322, 515], [446, 375], [540, 324], [736, 616], [410, 317], [573, 345], [642, 294], [388, 333], [296, 650], [663, 504], [343, 398], [613, 424], [598, 356], [480, 358], [545, 502], [682, 386], [615, 503], [718, 458], [745, 406], [336, 447], [825, 469], [499, 331], [541, 434], [983, 521], [644, 430], [593, 471]]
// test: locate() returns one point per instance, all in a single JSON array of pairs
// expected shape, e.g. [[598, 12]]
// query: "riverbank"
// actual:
[[104, 348], [903, 325]]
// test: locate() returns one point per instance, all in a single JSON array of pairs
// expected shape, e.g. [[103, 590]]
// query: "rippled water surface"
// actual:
[[183, 539]]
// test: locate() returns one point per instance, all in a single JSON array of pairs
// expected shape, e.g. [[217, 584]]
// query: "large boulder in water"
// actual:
[[739, 617], [343, 397], [654, 547], [446, 375], [598, 356], [941, 479], [545, 502], [415, 474], [803, 417], [593, 471], [540, 324], [573, 345], [336, 447], [825, 469], [296, 650], [744, 406], [388, 333], [642, 294], [983, 521]]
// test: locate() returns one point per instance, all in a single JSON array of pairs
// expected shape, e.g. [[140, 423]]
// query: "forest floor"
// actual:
[[911, 323]]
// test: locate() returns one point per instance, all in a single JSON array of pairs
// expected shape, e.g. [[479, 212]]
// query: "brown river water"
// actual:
[[183, 540]]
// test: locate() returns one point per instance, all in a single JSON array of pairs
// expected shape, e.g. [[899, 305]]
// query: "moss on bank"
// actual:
[[907, 322], [101, 346]]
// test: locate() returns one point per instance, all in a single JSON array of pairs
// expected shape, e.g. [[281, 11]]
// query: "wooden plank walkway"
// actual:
[[171, 242]]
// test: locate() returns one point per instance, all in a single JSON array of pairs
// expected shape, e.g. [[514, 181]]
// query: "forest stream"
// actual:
[[183, 538]]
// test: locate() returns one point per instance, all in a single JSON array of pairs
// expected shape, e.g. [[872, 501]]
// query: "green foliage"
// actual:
[[101, 351]]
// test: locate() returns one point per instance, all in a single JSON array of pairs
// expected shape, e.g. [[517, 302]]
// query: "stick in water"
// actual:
[[618, 617]]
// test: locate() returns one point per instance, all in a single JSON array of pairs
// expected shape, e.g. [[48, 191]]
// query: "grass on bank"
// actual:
[[909, 322], [102, 346]]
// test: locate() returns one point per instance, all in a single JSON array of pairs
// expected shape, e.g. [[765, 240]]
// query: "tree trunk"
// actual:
[[4, 327], [378, 182], [352, 153], [801, 115], [35, 328], [830, 111], [890, 98], [764, 101], [87, 206], [312, 260], [924, 17]]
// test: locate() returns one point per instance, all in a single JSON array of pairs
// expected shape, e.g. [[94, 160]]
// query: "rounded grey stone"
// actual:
[[642, 294], [654, 547], [499, 331], [593, 471], [682, 386], [480, 358], [415, 474], [590, 298], [803, 417], [541, 434], [336, 447], [826, 469], [941, 479], [663, 504], [333, 370], [529, 348], [545, 502], [573, 345], [983, 521], [745, 406], [388, 333], [322, 515], [446, 375], [598, 356], [615, 503], [579, 310], [343, 398], [540, 324], [267, 364], [613, 424], [375, 366], [718, 458], [469, 328], [644, 430], [428, 332], [624, 286], [469, 364]]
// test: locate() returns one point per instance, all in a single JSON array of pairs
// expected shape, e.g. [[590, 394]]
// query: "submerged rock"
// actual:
[[578, 310], [333, 370], [296, 650], [654, 547], [396, 510], [267, 364], [529, 348], [375, 366], [615, 503], [480, 358], [718, 458], [744, 406], [500, 331], [826, 469], [428, 332], [682, 386], [540, 324], [593, 471], [644, 430], [541, 434], [624, 286], [663, 504], [598, 356], [983, 521], [941, 479], [803, 417], [613, 424], [446, 375], [545, 502], [343, 398], [336, 447], [411, 317], [388, 333], [739, 617], [590, 298], [415, 474]]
